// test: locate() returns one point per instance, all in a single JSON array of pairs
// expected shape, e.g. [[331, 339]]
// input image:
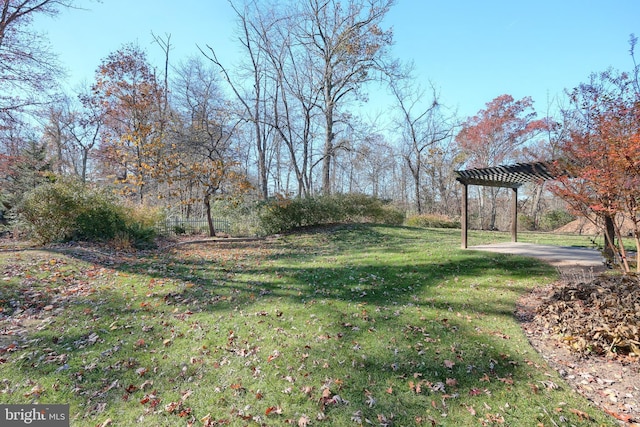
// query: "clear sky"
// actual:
[[471, 50]]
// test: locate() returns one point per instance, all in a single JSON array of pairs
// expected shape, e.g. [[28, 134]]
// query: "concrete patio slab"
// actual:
[[559, 256]]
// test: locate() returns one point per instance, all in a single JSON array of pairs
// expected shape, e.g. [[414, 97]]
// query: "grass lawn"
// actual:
[[366, 325]]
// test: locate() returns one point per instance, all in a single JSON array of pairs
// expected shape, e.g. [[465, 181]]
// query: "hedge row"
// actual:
[[282, 214]]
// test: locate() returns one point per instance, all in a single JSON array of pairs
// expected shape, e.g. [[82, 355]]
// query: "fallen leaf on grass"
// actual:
[[36, 391], [236, 386], [581, 414], [273, 410]]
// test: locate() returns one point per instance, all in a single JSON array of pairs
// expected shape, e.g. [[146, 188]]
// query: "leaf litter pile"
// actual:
[[600, 316], [588, 328], [364, 326]]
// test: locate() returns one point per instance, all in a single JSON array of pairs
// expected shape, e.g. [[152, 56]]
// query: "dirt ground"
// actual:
[[610, 382]]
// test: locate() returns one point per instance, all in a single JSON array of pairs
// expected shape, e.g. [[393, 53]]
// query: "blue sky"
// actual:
[[471, 50]]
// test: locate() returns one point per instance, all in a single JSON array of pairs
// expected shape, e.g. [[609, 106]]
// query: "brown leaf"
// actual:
[[146, 384], [475, 392], [581, 414], [171, 406], [273, 410], [621, 417]]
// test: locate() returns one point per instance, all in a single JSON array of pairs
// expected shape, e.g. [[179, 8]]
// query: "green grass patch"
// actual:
[[351, 325], [477, 237]]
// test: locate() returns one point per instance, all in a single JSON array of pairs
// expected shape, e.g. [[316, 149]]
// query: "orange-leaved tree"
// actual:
[[130, 98], [601, 158], [496, 135]]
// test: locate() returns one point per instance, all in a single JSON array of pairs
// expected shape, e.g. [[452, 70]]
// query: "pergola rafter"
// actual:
[[507, 176]]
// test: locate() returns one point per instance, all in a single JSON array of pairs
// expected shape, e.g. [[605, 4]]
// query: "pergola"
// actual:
[[509, 176]]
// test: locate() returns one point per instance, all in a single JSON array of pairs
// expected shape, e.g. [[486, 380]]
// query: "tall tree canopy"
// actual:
[[496, 134], [346, 46]]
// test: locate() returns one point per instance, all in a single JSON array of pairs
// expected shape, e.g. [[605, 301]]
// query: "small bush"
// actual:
[[432, 221], [284, 214], [69, 210], [179, 230]]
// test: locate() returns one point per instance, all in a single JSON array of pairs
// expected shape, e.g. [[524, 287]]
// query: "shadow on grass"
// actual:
[[393, 314]]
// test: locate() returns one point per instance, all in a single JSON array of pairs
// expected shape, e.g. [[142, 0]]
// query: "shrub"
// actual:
[[282, 214], [525, 222], [140, 225], [66, 210], [432, 221], [555, 219], [49, 211]]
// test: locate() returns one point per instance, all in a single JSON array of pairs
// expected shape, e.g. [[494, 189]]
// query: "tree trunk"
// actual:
[[609, 239], [328, 138], [416, 189], [326, 161], [207, 205], [494, 209], [535, 205]]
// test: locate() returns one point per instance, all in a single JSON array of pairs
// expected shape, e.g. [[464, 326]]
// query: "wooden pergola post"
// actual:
[[514, 215], [465, 210]]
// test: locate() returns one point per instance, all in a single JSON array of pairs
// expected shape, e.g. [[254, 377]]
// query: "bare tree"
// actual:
[[346, 45], [296, 101], [28, 68], [254, 99], [205, 130], [369, 165], [423, 128], [85, 125]]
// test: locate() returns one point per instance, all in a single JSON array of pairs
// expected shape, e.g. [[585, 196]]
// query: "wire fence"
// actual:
[[192, 226]]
